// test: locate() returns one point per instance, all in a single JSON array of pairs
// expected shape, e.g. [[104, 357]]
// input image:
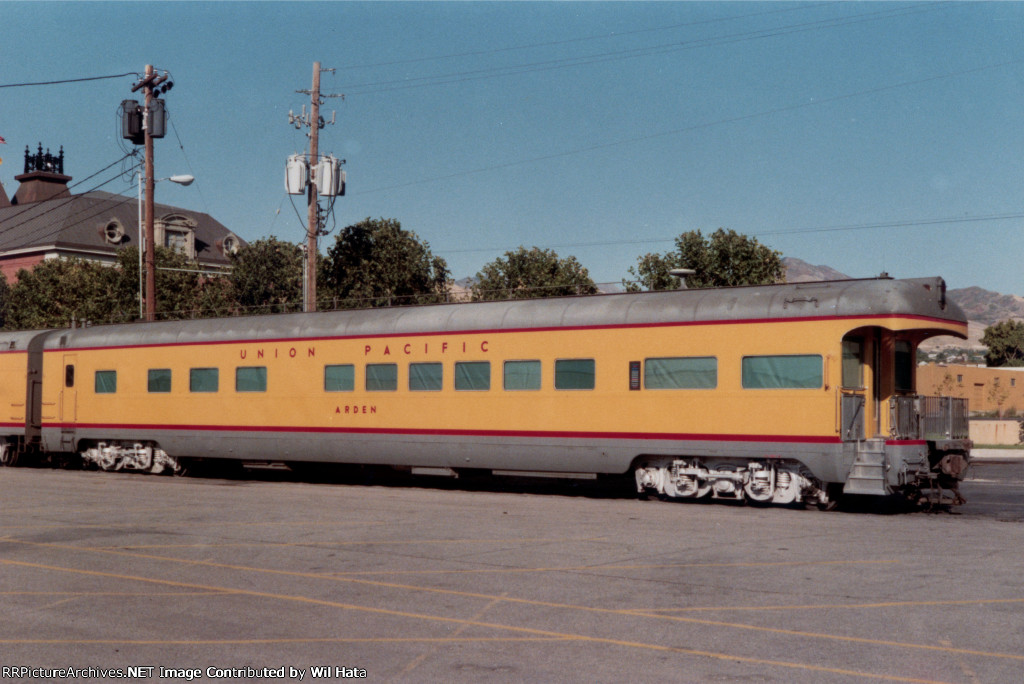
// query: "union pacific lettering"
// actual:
[[277, 353], [385, 349], [425, 348]]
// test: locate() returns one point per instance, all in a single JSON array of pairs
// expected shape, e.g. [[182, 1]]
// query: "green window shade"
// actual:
[[473, 375], [697, 372], [381, 377], [203, 379], [106, 382], [251, 379], [426, 377], [522, 375], [340, 378], [782, 372], [574, 374], [159, 380]]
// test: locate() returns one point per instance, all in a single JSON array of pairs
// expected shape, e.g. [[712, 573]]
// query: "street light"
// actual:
[[181, 179]]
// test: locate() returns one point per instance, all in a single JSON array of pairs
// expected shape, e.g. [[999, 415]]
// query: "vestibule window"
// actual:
[[904, 366]]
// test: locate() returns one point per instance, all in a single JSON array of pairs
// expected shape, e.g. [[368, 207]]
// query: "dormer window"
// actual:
[[230, 244], [113, 232], [178, 233]]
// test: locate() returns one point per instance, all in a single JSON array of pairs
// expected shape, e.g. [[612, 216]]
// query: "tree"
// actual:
[[377, 263], [179, 285], [1005, 342], [947, 386], [57, 291], [266, 277], [725, 258], [531, 273], [5, 300]]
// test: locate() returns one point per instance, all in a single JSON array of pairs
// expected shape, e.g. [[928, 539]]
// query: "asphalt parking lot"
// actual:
[[269, 578]]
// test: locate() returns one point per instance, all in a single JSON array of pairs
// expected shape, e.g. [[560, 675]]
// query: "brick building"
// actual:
[[987, 390], [43, 220]]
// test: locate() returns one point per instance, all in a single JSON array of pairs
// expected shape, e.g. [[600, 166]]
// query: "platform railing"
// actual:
[[931, 418]]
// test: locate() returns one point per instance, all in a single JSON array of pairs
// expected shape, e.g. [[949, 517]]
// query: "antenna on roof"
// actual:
[[681, 273]]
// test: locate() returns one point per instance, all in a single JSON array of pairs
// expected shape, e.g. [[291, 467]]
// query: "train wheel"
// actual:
[[835, 492], [8, 455]]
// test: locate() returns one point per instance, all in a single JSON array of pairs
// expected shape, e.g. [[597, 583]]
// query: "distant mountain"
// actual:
[[799, 271], [985, 306]]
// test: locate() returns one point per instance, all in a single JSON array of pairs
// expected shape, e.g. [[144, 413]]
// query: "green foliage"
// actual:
[[58, 291], [266, 277], [179, 287], [723, 259], [1005, 342], [377, 263], [531, 273], [5, 300]]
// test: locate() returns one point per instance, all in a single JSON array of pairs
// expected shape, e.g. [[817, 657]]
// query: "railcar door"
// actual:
[[68, 405], [853, 392]]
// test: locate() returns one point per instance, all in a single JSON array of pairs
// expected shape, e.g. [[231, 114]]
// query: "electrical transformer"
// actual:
[[296, 174], [330, 179]]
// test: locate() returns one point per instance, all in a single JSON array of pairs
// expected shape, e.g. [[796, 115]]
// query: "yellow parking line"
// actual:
[[545, 604], [329, 544], [599, 568], [833, 606], [471, 623]]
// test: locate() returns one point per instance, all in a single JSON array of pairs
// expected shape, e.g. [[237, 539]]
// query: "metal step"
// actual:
[[867, 475]]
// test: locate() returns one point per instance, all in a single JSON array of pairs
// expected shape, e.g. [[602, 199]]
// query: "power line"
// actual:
[[907, 223], [605, 36], [692, 128], [68, 80], [56, 206], [549, 65]]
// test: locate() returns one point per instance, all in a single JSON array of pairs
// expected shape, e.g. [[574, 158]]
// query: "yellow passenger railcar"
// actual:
[[774, 394]]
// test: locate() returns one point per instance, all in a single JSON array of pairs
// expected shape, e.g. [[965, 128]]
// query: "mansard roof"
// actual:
[[79, 223]]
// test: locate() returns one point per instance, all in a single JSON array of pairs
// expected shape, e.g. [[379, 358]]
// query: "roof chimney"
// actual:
[[43, 178]]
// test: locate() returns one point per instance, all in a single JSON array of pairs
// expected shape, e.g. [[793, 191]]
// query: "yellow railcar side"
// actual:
[[295, 398]]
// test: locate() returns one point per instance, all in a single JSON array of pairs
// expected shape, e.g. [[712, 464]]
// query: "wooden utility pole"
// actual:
[[313, 230]]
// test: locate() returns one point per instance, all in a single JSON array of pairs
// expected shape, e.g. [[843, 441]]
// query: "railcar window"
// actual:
[[904, 367], [381, 377], [426, 377], [159, 380], [575, 374], [251, 379], [106, 382], [693, 372], [853, 369], [69, 376], [340, 378], [203, 379], [522, 375], [473, 375], [803, 371]]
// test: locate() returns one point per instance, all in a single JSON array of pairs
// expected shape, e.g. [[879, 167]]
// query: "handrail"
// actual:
[[930, 418]]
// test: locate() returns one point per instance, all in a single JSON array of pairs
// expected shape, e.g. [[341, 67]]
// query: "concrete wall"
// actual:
[[995, 431]]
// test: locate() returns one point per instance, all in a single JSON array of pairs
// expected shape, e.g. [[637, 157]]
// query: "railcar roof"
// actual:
[[869, 297]]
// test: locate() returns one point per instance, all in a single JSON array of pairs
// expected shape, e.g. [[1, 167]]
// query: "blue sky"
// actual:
[[864, 136]]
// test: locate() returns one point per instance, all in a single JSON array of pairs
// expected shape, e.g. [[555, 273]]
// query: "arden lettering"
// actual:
[[353, 409]]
